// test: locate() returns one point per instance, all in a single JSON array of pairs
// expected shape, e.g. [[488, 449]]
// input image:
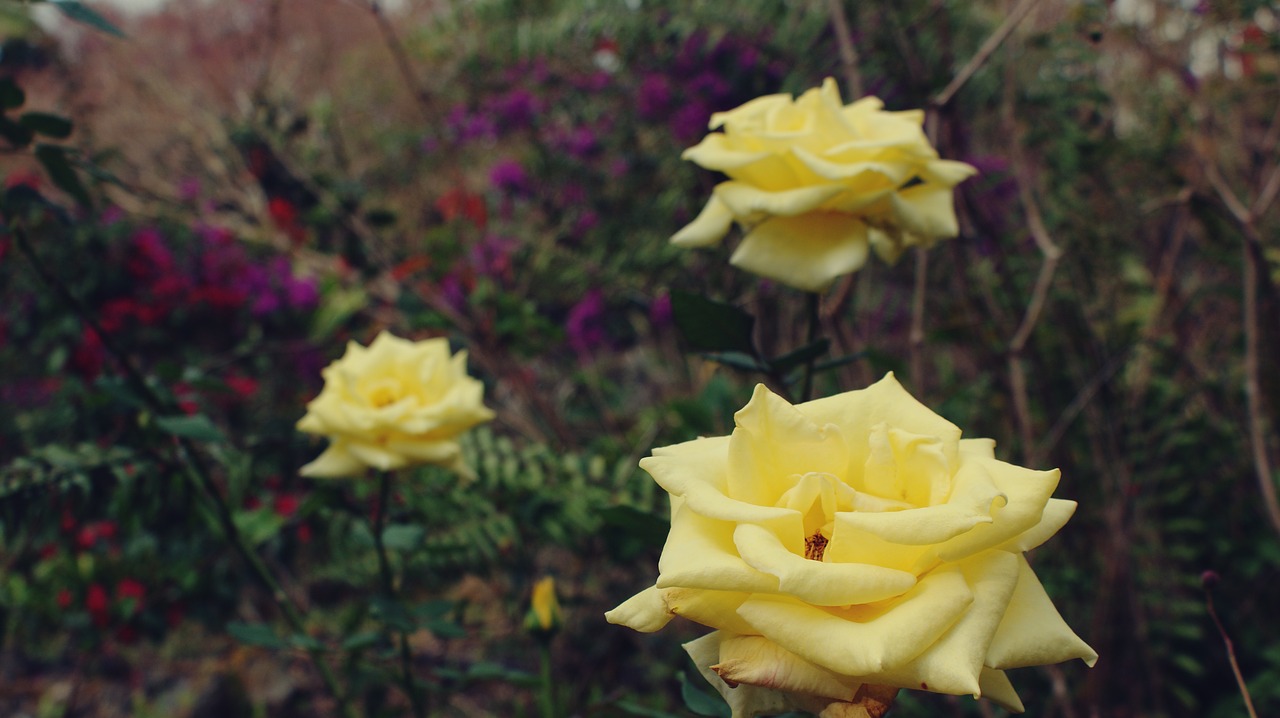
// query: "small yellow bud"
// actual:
[[544, 609]]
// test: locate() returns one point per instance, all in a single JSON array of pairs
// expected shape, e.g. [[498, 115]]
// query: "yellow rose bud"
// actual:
[[393, 404], [816, 183], [544, 609], [853, 541]]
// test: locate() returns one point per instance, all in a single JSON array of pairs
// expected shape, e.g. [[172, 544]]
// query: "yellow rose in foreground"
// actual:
[[391, 405], [815, 183], [853, 540]]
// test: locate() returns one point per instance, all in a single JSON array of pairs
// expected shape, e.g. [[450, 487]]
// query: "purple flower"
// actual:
[[690, 122], [517, 108], [509, 176], [581, 143], [585, 324], [301, 293], [586, 222], [654, 96], [660, 310]]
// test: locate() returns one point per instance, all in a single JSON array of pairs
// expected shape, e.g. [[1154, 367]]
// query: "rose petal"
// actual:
[[746, 201], [774, 441], [708, 228], [745, 701], [1026, 491], [996, 687], [717, 609], [335, 462], [862, 640], [926, 210], [717, 152], [948, 172], [700, 553], [757, 661], [645, 612], [856, 412], [817, 582], [806, 252], [954, 663], [1056, 514], [1032, 632]]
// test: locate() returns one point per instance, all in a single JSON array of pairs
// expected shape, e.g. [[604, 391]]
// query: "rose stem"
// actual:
[[193, 466], [389, 588], [813, 299]]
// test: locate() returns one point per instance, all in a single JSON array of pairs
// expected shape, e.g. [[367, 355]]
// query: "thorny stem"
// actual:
[[194, 467], [1231, 651], [389, 589]]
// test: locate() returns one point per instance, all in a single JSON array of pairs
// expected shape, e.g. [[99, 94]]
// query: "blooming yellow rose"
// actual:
[[393, 404], [815, 183], [853, 540]]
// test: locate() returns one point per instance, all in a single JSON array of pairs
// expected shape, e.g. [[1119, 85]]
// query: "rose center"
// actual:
[[815, 546]]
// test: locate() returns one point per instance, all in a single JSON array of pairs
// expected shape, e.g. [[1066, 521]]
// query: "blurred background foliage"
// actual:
[[250, 184]]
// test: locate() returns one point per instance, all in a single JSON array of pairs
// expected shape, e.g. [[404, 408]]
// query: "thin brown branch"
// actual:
[[1268, 194], [401, 58], [917, 320], [848, 53], [1253, 390], [984, 53], [1209, 578]]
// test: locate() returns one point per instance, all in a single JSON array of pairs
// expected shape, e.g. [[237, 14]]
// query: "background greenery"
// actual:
[[244, 186]]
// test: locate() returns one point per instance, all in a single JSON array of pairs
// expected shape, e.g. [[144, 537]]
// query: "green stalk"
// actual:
[[389, 588], [548, 697]]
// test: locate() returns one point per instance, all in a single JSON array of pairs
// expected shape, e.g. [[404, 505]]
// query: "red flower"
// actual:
[[286, 505], [460, 203], [304, 534], [97, 603], [243, 386], [64, 599], [129, 588]]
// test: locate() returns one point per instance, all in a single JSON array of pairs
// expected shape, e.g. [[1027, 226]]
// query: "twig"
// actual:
[[1209, 578], [848, 53], [401, 58], [1252, 386], [984, 53]]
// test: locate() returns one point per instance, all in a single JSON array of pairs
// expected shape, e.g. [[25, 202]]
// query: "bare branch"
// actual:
[[848, 53], [984, 53]]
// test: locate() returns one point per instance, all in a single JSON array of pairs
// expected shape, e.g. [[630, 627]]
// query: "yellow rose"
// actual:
[[393, 404], [853, 540], [814, 183]]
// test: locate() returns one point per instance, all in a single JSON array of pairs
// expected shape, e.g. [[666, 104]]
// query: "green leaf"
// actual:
[[711, 326], [305, 642], [739, 361], [55, 163], [402, 537], [701, 702], [44, 123], [636, 709], [391, 613], [14, 133], [11, 96], [801, 356], [445, 629], [196, 428], [255, 634], [81, 13], [361, 640], [258, 526]]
